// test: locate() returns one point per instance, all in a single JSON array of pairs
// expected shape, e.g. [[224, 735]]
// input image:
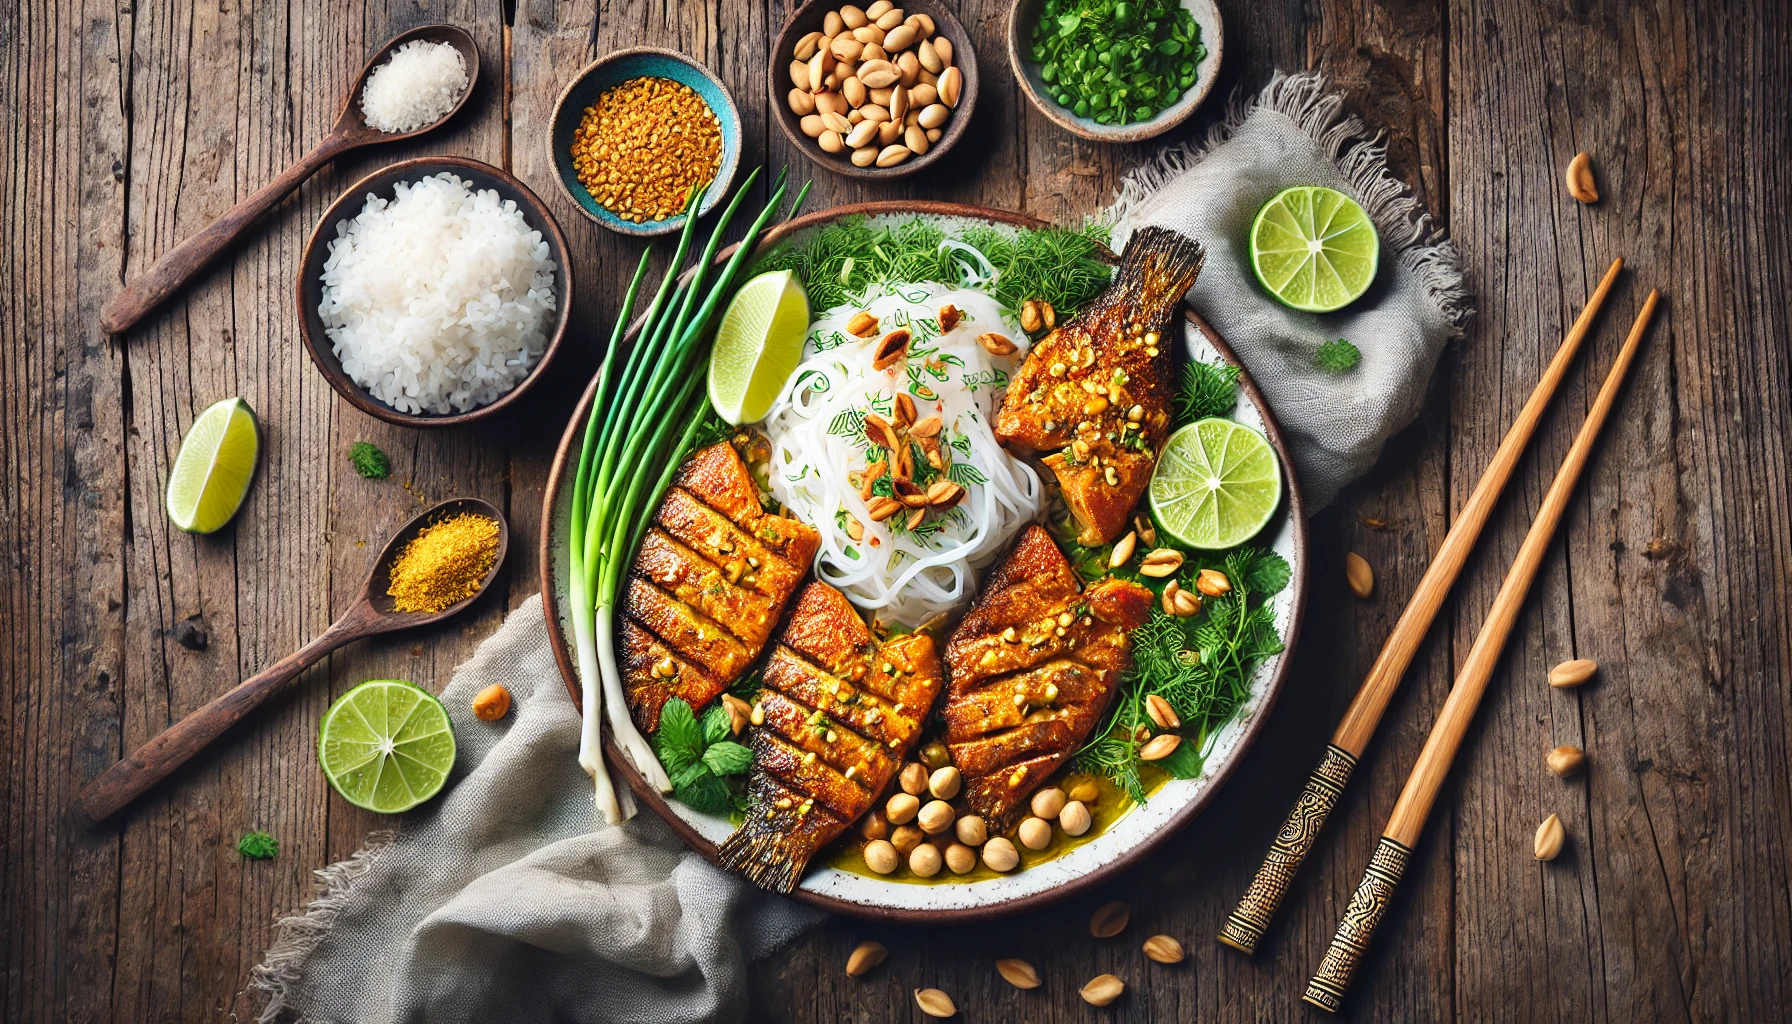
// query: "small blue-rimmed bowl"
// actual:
[[614, 69]]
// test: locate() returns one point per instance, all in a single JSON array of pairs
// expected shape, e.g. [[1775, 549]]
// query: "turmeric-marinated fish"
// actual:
[[1033, 668], [707, 587], [837, 715], [1096, 391]]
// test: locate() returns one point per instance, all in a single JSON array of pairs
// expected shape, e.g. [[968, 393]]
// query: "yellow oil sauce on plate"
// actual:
[[1110, 807]]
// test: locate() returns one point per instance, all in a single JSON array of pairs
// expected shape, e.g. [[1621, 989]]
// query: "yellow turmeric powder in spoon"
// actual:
[[444, 564]]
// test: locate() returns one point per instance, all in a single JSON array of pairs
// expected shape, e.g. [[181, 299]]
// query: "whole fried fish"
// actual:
[[1096, 391], [838, 714], [707, 586], [1033, 668]]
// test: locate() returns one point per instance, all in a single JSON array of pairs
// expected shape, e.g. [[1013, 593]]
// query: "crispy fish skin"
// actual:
[[706, 589], [1076, 392], [837, 716], [1033, 666]]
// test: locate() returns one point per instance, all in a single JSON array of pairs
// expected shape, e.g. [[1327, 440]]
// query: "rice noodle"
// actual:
[[819, 449]]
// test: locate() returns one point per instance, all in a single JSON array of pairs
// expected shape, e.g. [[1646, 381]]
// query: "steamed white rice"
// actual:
[[439, 299]]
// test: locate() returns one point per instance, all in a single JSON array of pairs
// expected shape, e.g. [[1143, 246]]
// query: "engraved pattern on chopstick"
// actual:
[[1367, 906], [1245, 927]]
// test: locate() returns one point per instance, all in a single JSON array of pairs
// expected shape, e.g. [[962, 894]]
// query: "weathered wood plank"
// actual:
[[1669, 835], [62, 159]]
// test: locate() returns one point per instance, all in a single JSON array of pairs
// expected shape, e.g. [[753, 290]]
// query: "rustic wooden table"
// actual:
[[131, 125]]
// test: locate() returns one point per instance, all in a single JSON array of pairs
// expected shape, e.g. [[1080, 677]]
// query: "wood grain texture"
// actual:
[[132, 125]]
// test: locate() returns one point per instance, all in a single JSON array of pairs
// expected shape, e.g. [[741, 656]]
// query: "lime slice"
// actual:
[[213, 469], [1216, 485], [386, 745], [1314, 248], [758, 346]]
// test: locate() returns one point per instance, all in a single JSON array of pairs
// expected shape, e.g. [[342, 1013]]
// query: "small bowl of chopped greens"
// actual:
[[1116, 70]]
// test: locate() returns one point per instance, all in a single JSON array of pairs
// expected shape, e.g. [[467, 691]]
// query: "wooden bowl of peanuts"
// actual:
[[873, 92]]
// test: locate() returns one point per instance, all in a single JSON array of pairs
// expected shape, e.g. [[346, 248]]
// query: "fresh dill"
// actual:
[[842, 261], [1202, 665], [1338, 356], [1208, 389]]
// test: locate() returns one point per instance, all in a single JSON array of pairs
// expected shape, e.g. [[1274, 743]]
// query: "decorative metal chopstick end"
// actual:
[[1244, 929], [1364, 913]]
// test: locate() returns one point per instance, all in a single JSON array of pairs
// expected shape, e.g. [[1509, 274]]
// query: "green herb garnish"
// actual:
[[1338, 356], [1201, 665], [258, 846], [1208, 389], [842, 262], [369, 461], [1116, 61], [703, 762]]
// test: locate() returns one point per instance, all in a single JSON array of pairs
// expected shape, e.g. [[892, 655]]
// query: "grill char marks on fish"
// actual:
[[708, 585], [1033, 667], [839, 712], [1075, 393]]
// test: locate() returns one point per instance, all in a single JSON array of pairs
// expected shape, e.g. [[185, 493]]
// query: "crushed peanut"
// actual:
[[643, 145]]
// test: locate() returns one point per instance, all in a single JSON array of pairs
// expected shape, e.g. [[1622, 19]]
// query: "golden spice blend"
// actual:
[[642, 146], [444, 563]]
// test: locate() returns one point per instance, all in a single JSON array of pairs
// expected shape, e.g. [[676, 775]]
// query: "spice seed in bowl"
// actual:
[[642, 146], [876, 82]]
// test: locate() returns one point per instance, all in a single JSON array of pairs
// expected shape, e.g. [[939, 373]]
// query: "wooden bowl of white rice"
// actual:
[[434, 292]]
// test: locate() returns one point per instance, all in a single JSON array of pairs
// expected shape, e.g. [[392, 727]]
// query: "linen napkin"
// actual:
[[505, 900], [1295, 132]]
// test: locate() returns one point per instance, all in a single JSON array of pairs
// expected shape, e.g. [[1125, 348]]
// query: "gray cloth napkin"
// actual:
[[505, 899], [1295, 133]]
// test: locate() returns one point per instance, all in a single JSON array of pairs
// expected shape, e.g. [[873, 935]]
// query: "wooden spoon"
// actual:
[[179, 264], [371, 614]]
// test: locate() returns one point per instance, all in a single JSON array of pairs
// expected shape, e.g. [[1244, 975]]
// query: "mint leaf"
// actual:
[[679, 742], [690, 774], [727, 758], [1184, 762], [715, 723], [1268, 576], [258, 846], [1337, 357], [705, 793]]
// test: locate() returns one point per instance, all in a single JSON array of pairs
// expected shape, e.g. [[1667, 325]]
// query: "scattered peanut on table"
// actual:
[[1549, 840], [492, 703], [875, 81], [1358, 575]]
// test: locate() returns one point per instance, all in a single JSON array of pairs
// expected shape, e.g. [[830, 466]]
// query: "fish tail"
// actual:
[[769, 860], [1162, 265]]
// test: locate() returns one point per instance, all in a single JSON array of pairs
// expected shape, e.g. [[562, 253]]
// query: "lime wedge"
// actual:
[[1216, 485], [1314, 248], [213, 469], [758, 346], [386, 745]]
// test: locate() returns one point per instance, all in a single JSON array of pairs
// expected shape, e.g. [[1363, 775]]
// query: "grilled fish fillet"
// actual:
[[1033, 668], [1076, 393], [838, 714], [706, 590]]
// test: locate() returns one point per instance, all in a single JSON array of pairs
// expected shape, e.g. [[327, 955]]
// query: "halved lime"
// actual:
[[1314, 248], [1216, 485], [212, 471], [758, 346], [386, 745]]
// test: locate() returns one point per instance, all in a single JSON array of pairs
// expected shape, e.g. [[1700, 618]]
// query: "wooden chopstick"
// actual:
[[1370, 902], [1245, 927]]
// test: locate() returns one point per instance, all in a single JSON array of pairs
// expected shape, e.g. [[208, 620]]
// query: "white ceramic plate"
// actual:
[[1127, 840]]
